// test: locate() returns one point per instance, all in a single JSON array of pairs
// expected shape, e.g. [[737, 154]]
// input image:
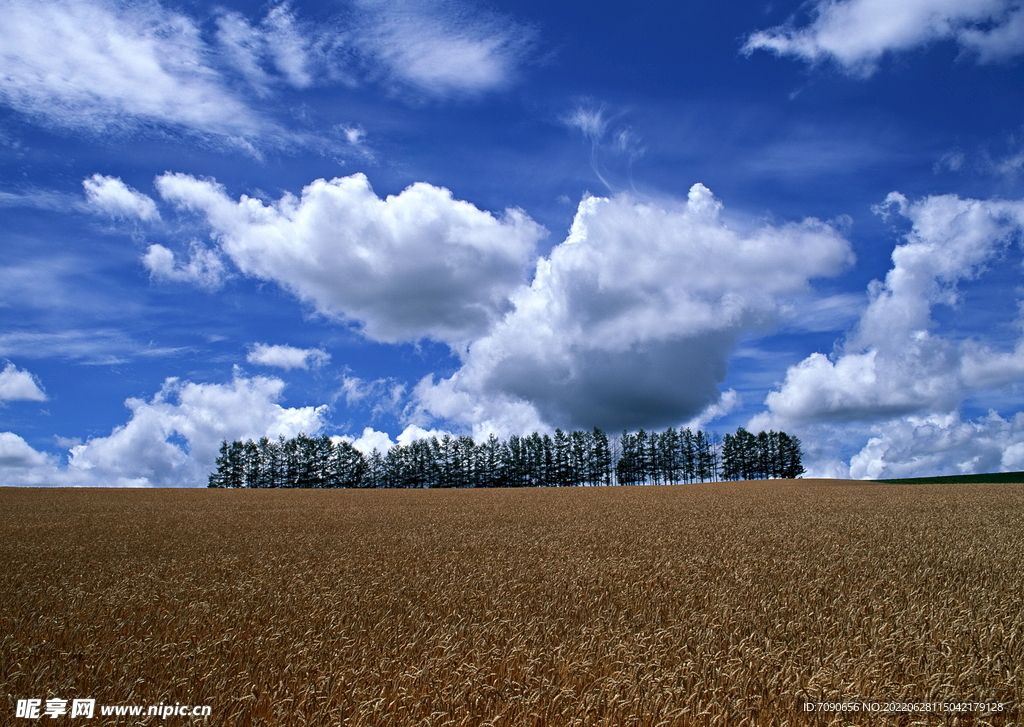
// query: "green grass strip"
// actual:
[[996, 477]]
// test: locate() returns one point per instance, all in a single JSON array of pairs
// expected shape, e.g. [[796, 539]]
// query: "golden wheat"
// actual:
[[716, 604]]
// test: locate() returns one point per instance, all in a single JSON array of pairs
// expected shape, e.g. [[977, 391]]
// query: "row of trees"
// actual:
[[566, 459], [763, 456], [671, 457]]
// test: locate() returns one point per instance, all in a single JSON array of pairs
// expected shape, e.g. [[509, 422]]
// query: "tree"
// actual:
[[643, 457], [581, 446], [760, 464], [656, 465], [688, 455], [743, 462], [307, 467], [671, 456], [515, 462], [790, 457], [562, 475], [376, 474], [600, 472], [489, 471], [219, 477], [347, 466], [628, 469]]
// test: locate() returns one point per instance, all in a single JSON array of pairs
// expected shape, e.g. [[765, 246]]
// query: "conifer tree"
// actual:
[[601, 468]]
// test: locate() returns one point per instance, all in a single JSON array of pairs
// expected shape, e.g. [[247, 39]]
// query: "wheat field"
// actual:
[[713, 604]]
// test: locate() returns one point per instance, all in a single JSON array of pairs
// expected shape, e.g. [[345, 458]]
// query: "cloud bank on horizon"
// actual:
[[193, 200]]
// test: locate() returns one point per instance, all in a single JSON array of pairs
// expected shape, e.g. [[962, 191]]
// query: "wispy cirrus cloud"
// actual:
[[440, 48], [95, 65], [89, 345], [42, 199], [101, 65], [608, 138], [856, 34], [280, 49]]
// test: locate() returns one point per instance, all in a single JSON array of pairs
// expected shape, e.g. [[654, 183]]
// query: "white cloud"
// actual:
[[831, 313], [1001, 41], [941, 444], [590, 121], [608, 140], [287, 357], [631, 320], [387, 396], [113, 197], [94, 65], [857, 33], [894, 363], [204, 267], [729, 400], [16, 453], [354, 135], [19, 385], [370, 440], [896, 377], [103, 65], [172, 440], [43, 200], [413, 433], [354, 389], [419, 264], [21, 465], [278, 49], [440, 47], [355, 140], [90, 345]]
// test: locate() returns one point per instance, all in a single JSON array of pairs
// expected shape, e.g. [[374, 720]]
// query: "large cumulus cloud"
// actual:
[[631, 320], [419, 264], [894, 362], [896, 373]]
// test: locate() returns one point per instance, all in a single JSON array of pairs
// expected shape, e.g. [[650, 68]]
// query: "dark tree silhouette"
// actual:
[[569, 459]]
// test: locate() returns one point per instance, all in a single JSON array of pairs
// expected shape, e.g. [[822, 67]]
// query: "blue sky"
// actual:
[[381, 220]]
